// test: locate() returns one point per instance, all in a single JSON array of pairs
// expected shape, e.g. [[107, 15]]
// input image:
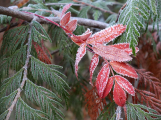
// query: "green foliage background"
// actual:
[[49, 88]]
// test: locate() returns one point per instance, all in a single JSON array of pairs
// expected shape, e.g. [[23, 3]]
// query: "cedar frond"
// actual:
[[11, 84], [6, 101], [94, 103], [13, 39], [39, 32], [15, 61], [4, 19], [49, 75], [44, 98], [25, 111], [140, 112], [41, 53], [148, 98], [150, 83], [134, 15]]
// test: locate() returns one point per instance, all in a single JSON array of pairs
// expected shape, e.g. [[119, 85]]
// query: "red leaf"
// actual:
[[125, 84], [65, 8], [93, 65], [71, 26], [125, 47], [106, 35], [80, 38], [80, 53], [124, 69], [111, 53], [102, 79], [108, 87], [65, 19], [119, 95]]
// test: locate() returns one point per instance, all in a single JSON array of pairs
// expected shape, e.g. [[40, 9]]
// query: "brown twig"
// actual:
[[106, 11], [29, 17], [10, 109], [56, 51], [12, 25], [120, 11]]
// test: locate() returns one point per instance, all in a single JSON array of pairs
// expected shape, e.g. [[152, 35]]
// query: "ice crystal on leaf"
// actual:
[[125, 47], [102, 79], [65, 19], [124, 69], [106, 35], [119, 95], [80, 53], [108, 87], [125, 84], [93, 65], [111, 53]]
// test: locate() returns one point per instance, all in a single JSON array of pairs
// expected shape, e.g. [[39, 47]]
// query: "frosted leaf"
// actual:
[[119, 95], [65, 8], [125, 84], [93, 65], [102, 79], [80, 53], [81, 38], [108, 87], [124, 69], [71, 26], [106, 35], [125, 47], [112, 53], [65, 19]]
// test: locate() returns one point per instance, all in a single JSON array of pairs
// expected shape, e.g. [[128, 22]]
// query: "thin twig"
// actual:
[[120, 11], [12, 25], [50, 4], [10, 109], [106, 11], [56, 51]]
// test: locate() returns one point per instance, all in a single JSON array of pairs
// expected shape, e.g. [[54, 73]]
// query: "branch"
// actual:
[[81, 21], [29, 17], [10, 109]]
